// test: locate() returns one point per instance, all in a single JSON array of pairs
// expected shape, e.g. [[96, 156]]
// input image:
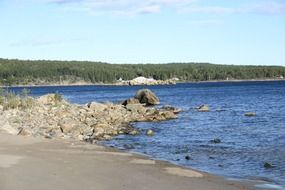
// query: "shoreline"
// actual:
[[25, 132], [116, 84], [110, 168]]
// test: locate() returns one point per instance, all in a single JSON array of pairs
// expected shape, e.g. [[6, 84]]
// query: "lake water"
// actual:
[[246, 142]]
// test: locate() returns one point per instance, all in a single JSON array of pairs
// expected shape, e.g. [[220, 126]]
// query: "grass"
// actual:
[[9, 100]]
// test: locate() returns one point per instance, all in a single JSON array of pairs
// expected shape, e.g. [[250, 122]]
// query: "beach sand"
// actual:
[[28, 163]]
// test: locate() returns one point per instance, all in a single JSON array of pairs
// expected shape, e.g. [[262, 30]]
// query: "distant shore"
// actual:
[[118, 84]]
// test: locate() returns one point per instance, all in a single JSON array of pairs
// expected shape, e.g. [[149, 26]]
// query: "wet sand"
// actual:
[[28, 163]]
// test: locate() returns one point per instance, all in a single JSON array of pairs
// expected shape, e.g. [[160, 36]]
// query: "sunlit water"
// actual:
[[247, 142]]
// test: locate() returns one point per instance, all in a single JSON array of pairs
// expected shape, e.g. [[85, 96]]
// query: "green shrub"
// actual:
[[57, 97], [12, 101]]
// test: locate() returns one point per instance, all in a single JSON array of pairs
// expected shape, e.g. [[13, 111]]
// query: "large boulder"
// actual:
[[146, 96]]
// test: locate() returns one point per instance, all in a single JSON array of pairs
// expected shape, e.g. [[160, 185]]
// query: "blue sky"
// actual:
[[149, 31]]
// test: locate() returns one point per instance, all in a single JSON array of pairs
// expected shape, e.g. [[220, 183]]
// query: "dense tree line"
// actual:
[[34, 72]]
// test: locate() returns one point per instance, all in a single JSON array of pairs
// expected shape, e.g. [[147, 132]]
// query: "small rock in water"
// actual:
[[267, 165], [216, 141], [250, 114], [128, 146], [149, 132], [203, 108], [188, 157], [134, 132]]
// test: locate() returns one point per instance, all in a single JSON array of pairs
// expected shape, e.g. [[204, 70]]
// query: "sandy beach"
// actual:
[[29, 163]]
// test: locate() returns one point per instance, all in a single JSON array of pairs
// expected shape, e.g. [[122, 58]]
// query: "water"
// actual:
[[247, 142]]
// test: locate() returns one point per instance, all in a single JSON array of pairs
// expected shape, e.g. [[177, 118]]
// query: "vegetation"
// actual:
[[17, 72], [9, 100]]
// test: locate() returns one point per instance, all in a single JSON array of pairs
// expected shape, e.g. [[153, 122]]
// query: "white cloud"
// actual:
[[135, 7], [122, 7]]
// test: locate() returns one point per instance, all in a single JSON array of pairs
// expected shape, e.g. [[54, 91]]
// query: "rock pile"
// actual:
[[52, 117]]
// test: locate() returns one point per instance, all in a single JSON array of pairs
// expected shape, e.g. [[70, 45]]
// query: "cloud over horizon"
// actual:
[[137, 7]]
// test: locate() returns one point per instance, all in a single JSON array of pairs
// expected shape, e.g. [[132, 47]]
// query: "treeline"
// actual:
[[13, 72]]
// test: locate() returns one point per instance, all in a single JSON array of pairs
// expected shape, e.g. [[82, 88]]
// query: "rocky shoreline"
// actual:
[[50, 116]]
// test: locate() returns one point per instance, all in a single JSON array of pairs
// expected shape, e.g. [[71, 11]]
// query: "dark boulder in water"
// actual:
[[267, 165], [188, 157], [215, 141]]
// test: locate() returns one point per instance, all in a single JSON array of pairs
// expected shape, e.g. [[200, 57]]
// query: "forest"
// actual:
[[25, 72]]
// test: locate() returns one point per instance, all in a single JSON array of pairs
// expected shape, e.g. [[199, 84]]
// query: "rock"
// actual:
[[134, 132], [188, 157], [215, 141], [9, 129], [49, 99], [107, 137], [149, 132], [203, 108], [250, 114], [131, 101], [168, 115], [69, 125], [267, 165], [25, 132], [95, 106], [146, 96], [129, 146], [171, 108], [137, 108]]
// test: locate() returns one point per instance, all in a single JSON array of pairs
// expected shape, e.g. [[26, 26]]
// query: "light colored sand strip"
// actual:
[[113, 153], [142, 161], [7, 161], [183, 172]]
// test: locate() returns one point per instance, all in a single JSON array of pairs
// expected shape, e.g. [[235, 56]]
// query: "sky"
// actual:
[[239, 32]]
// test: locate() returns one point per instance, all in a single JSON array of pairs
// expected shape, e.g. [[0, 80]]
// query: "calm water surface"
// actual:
[[247, 142]]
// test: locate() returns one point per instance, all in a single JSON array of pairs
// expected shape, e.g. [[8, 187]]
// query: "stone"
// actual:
[[25, 132], [49, 99], [137, 108], [172, 109], [129, 146], [267, 165], [134, 132], [9, 129], [250, 114], [188, 157], [97, 106], [203, 108], [149, 132], [107, 137], [68, 125], [146, 96], [131, 101], [216, 141], [51, 118]]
